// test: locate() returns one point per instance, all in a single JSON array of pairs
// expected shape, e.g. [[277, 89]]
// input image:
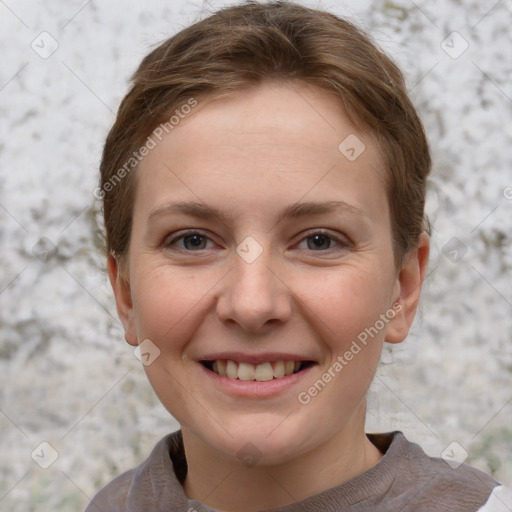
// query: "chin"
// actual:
[[261, 439]]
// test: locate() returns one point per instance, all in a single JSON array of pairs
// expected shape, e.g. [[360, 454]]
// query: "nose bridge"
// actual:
[[251, 263], [255, 295], [253, 278]]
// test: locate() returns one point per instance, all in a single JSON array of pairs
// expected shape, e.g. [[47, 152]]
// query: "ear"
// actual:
[[123, 298], [409, 285]]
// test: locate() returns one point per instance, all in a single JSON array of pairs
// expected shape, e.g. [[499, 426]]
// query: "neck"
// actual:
[[224, 483]]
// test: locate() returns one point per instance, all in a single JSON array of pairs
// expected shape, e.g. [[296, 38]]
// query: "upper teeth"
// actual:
[[262, 372]]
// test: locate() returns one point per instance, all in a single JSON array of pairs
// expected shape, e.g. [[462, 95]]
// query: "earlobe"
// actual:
[[122, 294], [409, 285]]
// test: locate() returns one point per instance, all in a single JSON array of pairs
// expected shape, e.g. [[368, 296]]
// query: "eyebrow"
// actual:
[[297, 210], [315, 208], [195, 209]]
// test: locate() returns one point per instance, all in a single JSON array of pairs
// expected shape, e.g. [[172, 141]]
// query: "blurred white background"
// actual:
[[66, 375]]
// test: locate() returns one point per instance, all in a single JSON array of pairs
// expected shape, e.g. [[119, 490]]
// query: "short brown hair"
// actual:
[[245, 45]]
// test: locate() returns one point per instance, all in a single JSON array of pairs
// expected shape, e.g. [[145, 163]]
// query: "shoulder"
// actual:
[[113, 496], [428, 483], [134, 487]]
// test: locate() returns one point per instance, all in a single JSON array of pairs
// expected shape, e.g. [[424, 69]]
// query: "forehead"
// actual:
[[268, 143]]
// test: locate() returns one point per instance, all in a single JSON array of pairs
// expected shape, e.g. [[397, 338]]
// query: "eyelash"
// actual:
[[343, 244]]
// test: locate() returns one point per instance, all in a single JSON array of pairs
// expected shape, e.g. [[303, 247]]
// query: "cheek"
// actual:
[[345, 311], [168, 303], [344, 303], [169, 306]]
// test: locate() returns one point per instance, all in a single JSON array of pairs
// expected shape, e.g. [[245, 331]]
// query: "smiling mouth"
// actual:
[[263, 372]]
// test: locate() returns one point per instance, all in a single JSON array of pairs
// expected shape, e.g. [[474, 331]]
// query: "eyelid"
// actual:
[[342, 240], [169, 240]]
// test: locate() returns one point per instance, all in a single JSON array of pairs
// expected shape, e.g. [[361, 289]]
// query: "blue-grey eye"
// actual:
[[319, 241], [194, 242]]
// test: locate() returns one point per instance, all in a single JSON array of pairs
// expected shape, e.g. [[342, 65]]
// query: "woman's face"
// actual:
[[261, 245]]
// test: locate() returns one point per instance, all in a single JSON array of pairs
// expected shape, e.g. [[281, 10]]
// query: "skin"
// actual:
[[251, 155]]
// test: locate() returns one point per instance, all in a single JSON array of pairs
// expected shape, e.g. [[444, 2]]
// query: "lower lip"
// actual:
[[256, 389]]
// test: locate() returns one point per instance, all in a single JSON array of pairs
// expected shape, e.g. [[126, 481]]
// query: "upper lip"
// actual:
[[242, 357]]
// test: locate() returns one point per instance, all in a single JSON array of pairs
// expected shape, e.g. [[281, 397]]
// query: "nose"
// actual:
[[254, 296]]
